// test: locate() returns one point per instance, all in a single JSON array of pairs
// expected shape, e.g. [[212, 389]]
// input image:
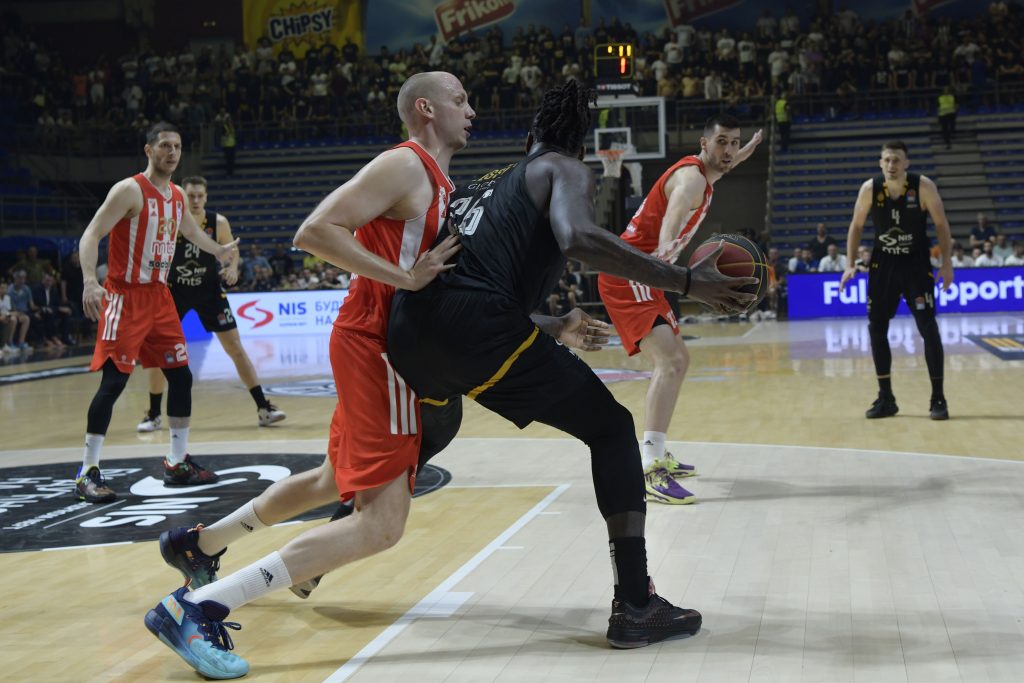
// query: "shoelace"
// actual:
[[661, 477], [96, 477], [214, 566], [217, 633]]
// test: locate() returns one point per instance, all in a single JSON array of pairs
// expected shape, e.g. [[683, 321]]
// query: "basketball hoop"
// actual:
[[611, 159]]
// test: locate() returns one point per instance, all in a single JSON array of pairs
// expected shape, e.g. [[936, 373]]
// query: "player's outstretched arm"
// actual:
[[853, 235], [932, 202], [393, 185], [193, 233], [123, 200], [747, 149]]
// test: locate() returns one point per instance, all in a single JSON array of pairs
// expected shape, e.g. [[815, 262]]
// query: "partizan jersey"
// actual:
[[645, 227], [141, 248], [192, 267], [507, 244], [901, 224], [368, 303]]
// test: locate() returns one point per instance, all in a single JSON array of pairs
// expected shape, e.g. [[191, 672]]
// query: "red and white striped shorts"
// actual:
[[139, 323], [375, 435]]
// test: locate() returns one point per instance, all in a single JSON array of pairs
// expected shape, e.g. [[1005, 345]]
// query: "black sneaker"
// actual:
[[92, 487], [884, 406], [187, 473], [180, 549], [630, 627], [938, 410], [303, 589]]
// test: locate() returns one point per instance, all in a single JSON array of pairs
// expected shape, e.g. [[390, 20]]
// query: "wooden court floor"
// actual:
[[824, 547]]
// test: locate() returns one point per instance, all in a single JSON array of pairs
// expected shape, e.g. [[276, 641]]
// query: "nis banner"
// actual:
[[275, 313], [299, 25], [974, 290]]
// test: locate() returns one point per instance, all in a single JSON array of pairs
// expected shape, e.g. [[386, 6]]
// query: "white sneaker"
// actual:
[[149, 424], [270, 415]]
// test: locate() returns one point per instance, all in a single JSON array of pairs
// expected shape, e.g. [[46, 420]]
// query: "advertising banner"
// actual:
[[274, 313], [974, 290], [298, 25], [458, 16], [685, 11]]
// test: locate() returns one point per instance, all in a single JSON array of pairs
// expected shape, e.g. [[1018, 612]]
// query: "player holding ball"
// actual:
[[663, 225]]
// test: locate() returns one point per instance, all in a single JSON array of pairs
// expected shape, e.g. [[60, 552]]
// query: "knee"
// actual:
[[381, 531], [179, 379], [676, 364]]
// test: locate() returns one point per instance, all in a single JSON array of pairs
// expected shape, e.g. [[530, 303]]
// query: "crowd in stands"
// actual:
[[39, 305], [836, 54]]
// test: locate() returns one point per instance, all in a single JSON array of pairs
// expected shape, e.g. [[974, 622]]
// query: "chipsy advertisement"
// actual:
[[974, 290], [298, 25]]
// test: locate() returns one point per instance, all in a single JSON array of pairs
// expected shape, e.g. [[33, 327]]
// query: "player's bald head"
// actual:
[[427, 85]]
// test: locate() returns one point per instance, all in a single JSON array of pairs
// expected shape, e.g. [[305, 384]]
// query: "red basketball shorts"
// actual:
[[375, 436], [633, 309], [139, 323]]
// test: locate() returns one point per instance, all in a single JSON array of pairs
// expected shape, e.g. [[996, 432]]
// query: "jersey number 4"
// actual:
[[895, 216]]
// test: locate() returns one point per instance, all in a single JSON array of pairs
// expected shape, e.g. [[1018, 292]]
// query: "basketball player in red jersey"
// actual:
[[137, 319], [663, 225], [379, 225]]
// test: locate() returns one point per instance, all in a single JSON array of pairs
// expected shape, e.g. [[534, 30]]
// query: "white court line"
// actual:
[[83, 547], [751, 331], [439, 594]]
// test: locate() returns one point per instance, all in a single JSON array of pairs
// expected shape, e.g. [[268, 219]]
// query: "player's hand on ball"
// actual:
[[92, 300], [718, 291], [847, 276], [580, 331], [431, 263]]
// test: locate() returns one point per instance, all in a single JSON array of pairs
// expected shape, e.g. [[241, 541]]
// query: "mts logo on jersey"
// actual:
[[895, 241]]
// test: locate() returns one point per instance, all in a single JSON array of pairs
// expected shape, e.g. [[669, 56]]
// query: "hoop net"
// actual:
[[611, 159]]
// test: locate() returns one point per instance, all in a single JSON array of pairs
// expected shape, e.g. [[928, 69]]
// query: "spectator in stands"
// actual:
[[331, 280], [249, 265], [262, 279], [21, 304], [983, 231], [71, 289], [947, 115], [832, 261], [820, 243], [33, 266], [782, 120], [959, 259], [51, 312], [281, 263], [1017, 257], [1001, 249], [13, 324], [987, 259]]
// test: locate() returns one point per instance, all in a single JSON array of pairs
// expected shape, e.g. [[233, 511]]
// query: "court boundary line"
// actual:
[[349, 668]]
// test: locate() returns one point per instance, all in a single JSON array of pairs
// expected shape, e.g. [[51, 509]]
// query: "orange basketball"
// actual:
[[739, 258]]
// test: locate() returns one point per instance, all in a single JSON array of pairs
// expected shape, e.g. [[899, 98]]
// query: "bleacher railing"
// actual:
[[43, 214]]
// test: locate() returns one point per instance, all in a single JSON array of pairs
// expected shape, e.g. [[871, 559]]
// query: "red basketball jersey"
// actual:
[[368, 303], [645, 226], [141, 248]]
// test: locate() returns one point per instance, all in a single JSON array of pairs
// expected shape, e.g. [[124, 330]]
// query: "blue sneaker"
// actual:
[[198, 634], [180, 549]]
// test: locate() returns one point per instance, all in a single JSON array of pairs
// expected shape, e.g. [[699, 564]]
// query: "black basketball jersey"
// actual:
[[507, 244], [901, 224], [191, 266]]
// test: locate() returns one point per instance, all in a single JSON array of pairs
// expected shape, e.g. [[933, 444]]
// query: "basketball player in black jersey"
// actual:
[[194, 281], [471, 332], [899, 204]]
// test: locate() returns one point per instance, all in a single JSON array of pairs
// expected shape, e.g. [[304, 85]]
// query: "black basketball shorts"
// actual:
[[211, 306], [889, 280]]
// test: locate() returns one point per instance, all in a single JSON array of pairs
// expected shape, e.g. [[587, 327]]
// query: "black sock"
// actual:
[[257, 395], [154, 404], [629, 559], [885, 386], [937, 388]]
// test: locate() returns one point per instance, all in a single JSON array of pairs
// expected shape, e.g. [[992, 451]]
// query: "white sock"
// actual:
[[259, 578], [179, 445], [93, 444], [224, 532], [652, 447]]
